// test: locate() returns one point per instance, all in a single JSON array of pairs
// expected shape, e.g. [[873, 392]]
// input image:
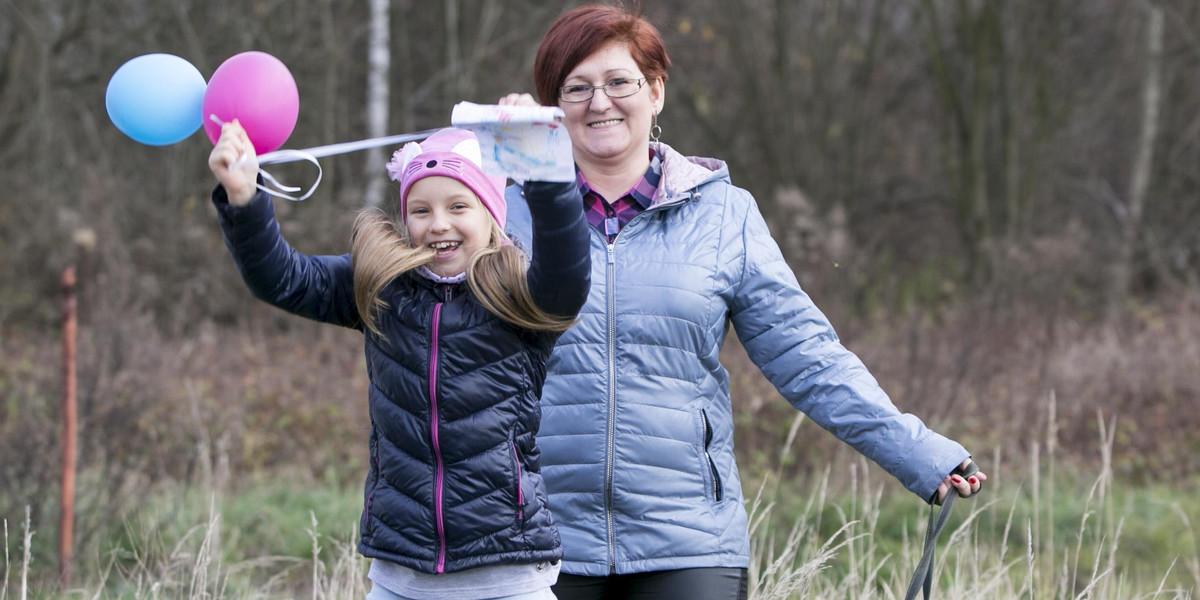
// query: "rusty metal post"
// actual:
[[66, 529]]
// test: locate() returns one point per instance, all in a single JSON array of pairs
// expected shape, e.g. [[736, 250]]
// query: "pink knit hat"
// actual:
[[452, 153]]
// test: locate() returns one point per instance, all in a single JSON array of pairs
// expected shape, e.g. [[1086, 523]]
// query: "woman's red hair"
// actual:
[[580, 32]]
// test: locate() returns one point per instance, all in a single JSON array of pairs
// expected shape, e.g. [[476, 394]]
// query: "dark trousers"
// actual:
[[682, 584]]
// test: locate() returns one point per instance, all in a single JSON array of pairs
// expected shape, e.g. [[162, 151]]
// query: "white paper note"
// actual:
[[526, 143]]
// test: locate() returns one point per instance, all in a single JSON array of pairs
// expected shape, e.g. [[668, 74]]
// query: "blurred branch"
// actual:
[[1139, 182], [195, 47]]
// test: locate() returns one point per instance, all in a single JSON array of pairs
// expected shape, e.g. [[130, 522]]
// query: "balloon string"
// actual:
[[312, 154], [291, 155], [282, 156]]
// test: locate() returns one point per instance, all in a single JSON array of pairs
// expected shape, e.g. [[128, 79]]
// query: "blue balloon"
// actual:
[[155, 99]]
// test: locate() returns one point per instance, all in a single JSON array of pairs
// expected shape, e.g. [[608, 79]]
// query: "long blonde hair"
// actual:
[[381, 250]]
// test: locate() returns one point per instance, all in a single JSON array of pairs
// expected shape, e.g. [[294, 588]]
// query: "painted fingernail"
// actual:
[[973, 481], [956, 479]]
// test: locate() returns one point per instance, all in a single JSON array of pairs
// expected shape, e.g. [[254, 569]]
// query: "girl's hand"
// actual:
[[516, 99], [235, 164], [965, 486]]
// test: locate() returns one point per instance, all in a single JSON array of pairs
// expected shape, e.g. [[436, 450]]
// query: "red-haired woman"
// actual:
[[637, 427]]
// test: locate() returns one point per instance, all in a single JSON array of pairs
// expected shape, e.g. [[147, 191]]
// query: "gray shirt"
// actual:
[[472, 584]]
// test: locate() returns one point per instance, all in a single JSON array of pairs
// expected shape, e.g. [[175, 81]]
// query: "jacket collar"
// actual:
[[681, 175]]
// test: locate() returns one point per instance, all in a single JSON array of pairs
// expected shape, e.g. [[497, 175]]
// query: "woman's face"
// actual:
[[611, 130]]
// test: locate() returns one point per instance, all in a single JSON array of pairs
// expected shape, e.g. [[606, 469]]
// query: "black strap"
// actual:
[[923, 576]]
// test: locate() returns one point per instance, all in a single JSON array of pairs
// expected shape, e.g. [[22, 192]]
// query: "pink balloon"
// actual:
[[258, 90]]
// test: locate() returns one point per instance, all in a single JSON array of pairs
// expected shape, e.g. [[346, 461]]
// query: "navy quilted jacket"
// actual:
[[637, 431], [454, 479]]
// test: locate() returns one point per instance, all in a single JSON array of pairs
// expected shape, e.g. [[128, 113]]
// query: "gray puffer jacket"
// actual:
[[637, 428]]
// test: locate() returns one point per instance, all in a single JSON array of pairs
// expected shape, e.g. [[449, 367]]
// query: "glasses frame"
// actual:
[[562, 89]]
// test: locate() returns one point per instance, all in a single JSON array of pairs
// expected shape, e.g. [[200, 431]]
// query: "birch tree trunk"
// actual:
[[378, 64], [1129, 221], [454, 82]]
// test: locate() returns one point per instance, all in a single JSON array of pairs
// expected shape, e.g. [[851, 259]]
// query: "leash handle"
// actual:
[[923, 576]]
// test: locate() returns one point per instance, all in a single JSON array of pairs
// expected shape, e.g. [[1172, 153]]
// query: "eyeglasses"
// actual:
[[617, 88]]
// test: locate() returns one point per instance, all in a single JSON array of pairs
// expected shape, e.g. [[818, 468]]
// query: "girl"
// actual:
[[457, 333]]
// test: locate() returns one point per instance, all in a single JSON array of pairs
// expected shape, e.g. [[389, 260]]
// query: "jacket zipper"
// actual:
[[612, 410], [439, 468], [612, 388]]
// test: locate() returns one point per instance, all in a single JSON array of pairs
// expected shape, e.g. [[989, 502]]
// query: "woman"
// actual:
[[637, 428]]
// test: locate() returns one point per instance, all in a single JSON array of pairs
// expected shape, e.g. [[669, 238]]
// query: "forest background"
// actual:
[[993, 200]]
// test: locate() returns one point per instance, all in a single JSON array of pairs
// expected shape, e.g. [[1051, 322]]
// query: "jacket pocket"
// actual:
[[512, 444], [372, 482], [717, 489]]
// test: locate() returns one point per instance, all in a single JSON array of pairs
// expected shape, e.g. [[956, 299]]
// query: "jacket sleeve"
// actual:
[[797, 349], [317, 287], [560, 267]]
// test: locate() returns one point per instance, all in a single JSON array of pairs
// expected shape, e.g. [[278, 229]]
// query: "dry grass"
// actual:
[[1040, 539], [217, 408]]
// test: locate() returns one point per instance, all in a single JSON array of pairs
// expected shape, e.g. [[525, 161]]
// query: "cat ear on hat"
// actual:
[[401, 158], [466, 144], [469, 149]]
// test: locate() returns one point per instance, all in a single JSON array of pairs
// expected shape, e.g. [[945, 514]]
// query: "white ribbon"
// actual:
[[282, 156], [312, 154]]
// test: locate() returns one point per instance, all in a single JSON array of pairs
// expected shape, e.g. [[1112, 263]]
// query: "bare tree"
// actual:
[[968, 112], [1129, 215], [378, 65]]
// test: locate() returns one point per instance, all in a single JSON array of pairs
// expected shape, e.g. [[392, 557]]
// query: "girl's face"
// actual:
[[444, 214], [611, 130]]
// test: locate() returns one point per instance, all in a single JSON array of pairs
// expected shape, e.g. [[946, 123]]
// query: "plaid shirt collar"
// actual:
[[610, 218], [642, 194]]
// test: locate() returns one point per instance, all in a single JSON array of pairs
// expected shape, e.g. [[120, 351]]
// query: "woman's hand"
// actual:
[[516, 99], [965, 486], [235, 164]]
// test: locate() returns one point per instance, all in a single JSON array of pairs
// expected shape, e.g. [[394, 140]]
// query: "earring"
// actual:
[[655, 130]]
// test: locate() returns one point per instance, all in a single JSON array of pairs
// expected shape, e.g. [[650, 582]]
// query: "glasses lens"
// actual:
[[619, 88], [575, 93]]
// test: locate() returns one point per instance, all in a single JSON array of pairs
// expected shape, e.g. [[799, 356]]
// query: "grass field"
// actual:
[[1083, 537], [203, 485]]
